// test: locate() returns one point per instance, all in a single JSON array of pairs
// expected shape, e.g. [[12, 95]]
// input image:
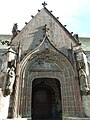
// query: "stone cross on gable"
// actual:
[[44, 4]]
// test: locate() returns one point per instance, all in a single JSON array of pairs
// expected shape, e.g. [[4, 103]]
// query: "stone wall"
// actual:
[[64, 118], [86, 104], [75, 118]]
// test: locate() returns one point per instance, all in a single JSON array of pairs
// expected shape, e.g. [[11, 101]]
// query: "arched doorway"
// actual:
[[45, 101]]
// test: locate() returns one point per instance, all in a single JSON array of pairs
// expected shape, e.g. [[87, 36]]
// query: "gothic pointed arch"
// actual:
[[47, 62]]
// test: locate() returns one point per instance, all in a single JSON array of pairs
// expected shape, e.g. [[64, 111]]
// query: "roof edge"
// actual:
[[63, 27]]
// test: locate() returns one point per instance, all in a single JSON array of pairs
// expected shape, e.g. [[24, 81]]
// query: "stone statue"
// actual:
[[83, 70], [11, 78], [10, 81], [14, 31], [83, 80]]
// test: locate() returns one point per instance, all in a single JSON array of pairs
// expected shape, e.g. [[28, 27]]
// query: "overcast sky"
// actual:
[[73, 13]]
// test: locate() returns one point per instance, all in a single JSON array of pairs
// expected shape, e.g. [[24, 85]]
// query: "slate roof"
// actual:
[[85, 43], [4, 37]]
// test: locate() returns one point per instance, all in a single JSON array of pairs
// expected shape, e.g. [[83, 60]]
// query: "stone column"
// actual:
[[15, 104], [29, 103], [16, 92]]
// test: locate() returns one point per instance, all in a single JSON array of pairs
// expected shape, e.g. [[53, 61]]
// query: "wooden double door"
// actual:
[[42, 103], [46, 99]]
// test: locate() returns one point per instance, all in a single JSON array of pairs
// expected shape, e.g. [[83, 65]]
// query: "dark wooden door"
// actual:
[[42, 103]]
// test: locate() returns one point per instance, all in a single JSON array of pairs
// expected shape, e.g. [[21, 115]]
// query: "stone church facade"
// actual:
[[45, 74]]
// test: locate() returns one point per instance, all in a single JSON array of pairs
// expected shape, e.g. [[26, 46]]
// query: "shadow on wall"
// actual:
[[37, 37]]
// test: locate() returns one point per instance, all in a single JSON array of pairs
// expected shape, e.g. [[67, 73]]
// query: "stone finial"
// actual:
[[44, 4], [32, 16], [26, 23], [38, 10], [57, 17], [51, 11], [65, 25], [46, 29], [14, 31], [71, 33]]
